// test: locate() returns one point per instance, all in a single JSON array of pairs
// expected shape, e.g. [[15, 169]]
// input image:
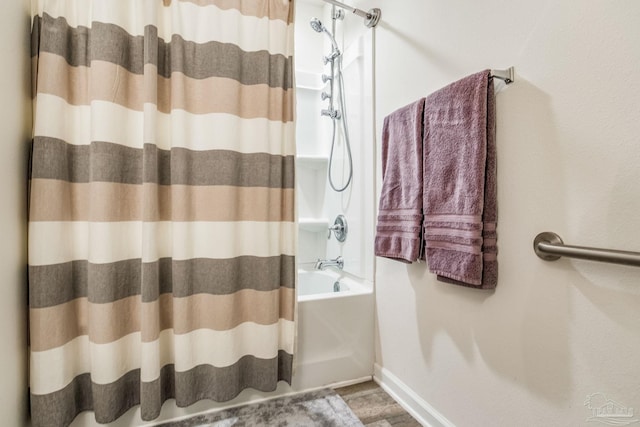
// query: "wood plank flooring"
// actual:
[[375, 407]]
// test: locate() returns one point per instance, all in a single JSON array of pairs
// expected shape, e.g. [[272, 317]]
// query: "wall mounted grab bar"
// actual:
[[550, 247]]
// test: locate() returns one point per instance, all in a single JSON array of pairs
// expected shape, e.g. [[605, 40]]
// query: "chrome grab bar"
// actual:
[[550, 247]]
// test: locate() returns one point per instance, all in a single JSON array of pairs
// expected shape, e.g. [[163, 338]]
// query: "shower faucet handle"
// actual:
[[325, 95], [339, 228], [326, 78]]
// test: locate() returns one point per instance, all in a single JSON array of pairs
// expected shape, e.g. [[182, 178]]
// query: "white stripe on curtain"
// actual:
[[178, 240], [73, 124]]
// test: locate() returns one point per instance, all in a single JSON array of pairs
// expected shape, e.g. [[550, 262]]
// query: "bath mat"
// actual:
[[322, 408]]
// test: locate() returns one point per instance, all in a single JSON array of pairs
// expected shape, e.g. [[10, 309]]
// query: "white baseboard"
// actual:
[[409, 400]]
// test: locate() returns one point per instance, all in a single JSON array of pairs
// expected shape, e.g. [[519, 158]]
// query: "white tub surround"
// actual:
[[334, 329]]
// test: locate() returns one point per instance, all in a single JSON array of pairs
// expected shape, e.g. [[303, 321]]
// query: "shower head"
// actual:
[[317, 26]]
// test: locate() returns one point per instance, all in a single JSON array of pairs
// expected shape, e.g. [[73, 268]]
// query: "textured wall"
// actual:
[[569, 148], [15, 130]]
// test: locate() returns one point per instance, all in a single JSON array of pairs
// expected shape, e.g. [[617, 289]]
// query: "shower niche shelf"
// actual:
[[308, 81], [314, 225], [312, 162]]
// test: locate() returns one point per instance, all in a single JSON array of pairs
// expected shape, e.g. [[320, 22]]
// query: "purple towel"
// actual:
[[400, 211], [460, 210]]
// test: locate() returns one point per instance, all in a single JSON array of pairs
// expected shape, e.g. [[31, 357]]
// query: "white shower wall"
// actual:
[[356, 203], [318, 204]]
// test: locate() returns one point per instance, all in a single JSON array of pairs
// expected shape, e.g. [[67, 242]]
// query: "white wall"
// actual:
[[15, 123], [568, 141]]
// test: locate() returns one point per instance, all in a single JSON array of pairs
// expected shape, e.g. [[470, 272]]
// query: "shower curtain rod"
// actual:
[[371, 18]]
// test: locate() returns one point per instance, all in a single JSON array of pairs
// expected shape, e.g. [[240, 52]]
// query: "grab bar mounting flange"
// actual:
[[546, 237]]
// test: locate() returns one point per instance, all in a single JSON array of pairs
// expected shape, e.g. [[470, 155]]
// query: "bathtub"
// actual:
[[335, 336], [316, 285]]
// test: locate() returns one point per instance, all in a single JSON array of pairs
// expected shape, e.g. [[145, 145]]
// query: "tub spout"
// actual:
[[323, 264]]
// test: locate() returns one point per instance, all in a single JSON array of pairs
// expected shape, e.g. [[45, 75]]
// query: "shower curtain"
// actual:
[[161, 218]]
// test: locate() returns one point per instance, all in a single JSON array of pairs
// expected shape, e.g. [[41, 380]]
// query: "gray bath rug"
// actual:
[[323, 408]]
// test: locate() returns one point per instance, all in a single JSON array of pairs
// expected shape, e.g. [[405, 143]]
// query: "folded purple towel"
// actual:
[[400, 210], [460, 209]]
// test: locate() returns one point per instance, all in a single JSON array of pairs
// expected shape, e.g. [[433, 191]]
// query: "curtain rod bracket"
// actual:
[[371, 18]]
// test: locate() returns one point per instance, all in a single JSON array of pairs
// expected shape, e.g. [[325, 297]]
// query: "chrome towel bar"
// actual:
[[549, 247]]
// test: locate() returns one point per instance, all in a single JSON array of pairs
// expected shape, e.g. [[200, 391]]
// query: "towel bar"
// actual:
[[549, 247]]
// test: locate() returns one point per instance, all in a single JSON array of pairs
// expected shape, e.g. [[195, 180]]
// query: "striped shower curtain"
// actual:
[[161, 217]]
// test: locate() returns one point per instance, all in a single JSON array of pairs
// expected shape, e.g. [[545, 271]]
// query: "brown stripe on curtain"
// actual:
[[190, 386], [108, 162], [60, 283], [81, 46]]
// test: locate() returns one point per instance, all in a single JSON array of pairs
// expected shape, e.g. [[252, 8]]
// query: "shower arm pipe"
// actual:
[[372, 17]]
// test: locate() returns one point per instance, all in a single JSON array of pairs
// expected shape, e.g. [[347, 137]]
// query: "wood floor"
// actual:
[[375, 407]]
